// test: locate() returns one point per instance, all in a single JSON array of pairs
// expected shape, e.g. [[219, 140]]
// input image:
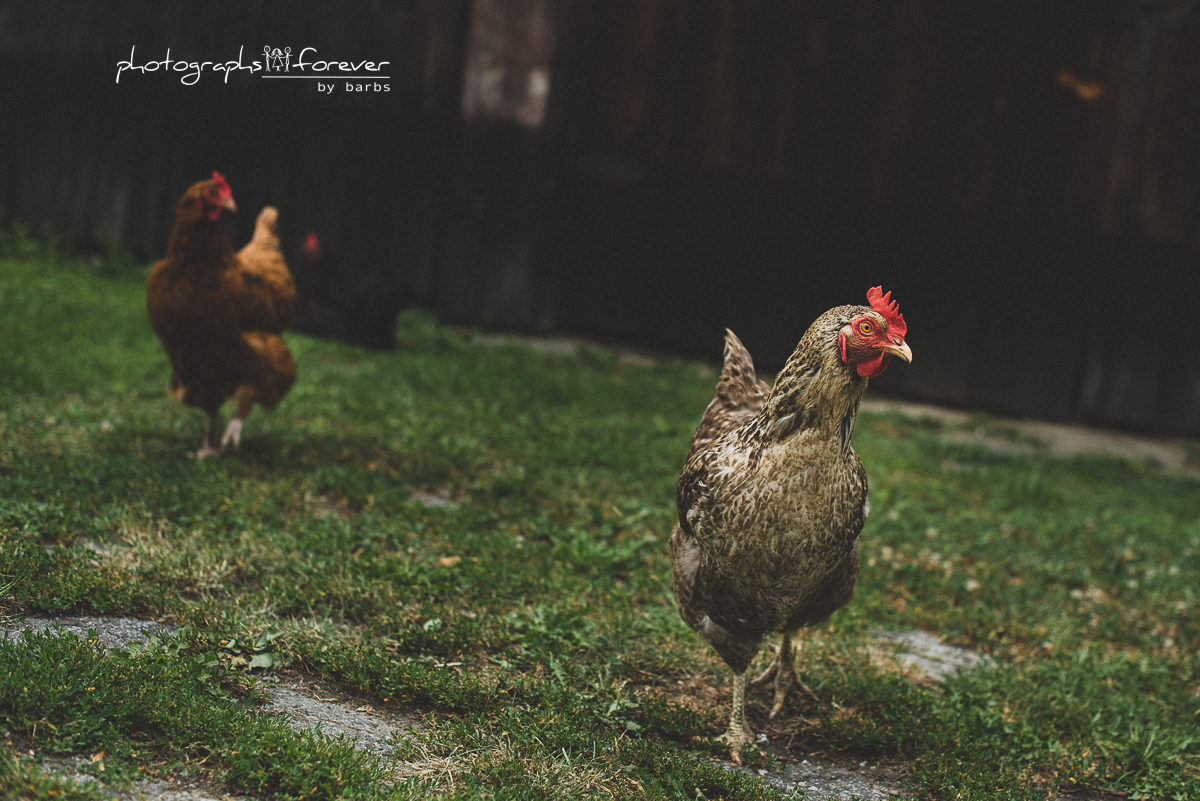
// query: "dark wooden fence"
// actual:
[[1025, 176]]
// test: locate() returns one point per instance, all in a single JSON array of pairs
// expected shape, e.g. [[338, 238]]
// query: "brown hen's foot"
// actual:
[[206, 448], [783, 670], [204, 452]]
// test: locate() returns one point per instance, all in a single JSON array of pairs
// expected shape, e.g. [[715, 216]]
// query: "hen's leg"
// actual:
[[739, 733], [233, 434], [206, 447], [783, 670], [233, 431]]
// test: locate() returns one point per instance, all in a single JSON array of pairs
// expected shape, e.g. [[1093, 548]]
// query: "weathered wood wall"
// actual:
[[1023, 175], [1025, 109]]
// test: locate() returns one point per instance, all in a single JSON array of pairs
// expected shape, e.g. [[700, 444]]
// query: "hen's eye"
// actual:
[[866, 328]]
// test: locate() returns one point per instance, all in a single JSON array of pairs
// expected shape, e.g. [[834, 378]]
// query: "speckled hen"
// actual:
[[772, 497]]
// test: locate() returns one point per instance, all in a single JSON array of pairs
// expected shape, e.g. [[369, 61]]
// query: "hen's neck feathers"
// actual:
[[815, 390], [197, 239]]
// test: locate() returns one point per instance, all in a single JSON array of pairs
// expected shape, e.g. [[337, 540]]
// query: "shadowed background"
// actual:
[[1023, 177]]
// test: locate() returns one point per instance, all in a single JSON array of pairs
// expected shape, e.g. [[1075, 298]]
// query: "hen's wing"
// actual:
[[738, 397], [269, 293], [268, 371]]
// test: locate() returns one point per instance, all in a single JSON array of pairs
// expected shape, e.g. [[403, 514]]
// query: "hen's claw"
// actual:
[[783, 670]]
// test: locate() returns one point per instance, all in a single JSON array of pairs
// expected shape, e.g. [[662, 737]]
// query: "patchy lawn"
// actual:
[[472, 535]]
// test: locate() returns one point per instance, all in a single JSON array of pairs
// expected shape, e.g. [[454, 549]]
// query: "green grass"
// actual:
[[530, 624]]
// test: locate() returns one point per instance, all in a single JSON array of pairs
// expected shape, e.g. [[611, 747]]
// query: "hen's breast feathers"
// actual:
[[219, 313]]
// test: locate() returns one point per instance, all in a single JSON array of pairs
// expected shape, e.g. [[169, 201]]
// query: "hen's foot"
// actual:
[[204, 451], [233, 434], [737, 740], [739, 733], [783, 670], [206, 447]]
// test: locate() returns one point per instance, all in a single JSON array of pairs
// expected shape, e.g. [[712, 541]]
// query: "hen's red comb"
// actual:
[[888, 309], [221, 183]]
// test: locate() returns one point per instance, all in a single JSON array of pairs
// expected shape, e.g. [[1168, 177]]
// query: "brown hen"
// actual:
[[772, 497], [219, 314]]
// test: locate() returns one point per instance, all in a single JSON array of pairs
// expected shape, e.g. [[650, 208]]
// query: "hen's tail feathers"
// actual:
[[739, 388], [266, 234], [738, 397], [269, 297]]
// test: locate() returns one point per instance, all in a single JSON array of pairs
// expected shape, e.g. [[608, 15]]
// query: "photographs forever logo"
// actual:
[[328, 75], [277, 60]]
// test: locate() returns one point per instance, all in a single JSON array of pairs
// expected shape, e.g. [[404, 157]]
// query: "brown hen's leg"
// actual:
[[783, 670], [206, 447], [739, 733], [233, 432]]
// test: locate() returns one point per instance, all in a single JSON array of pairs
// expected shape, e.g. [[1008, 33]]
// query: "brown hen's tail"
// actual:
[[738, 397], [269, 297], [266, 234]]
